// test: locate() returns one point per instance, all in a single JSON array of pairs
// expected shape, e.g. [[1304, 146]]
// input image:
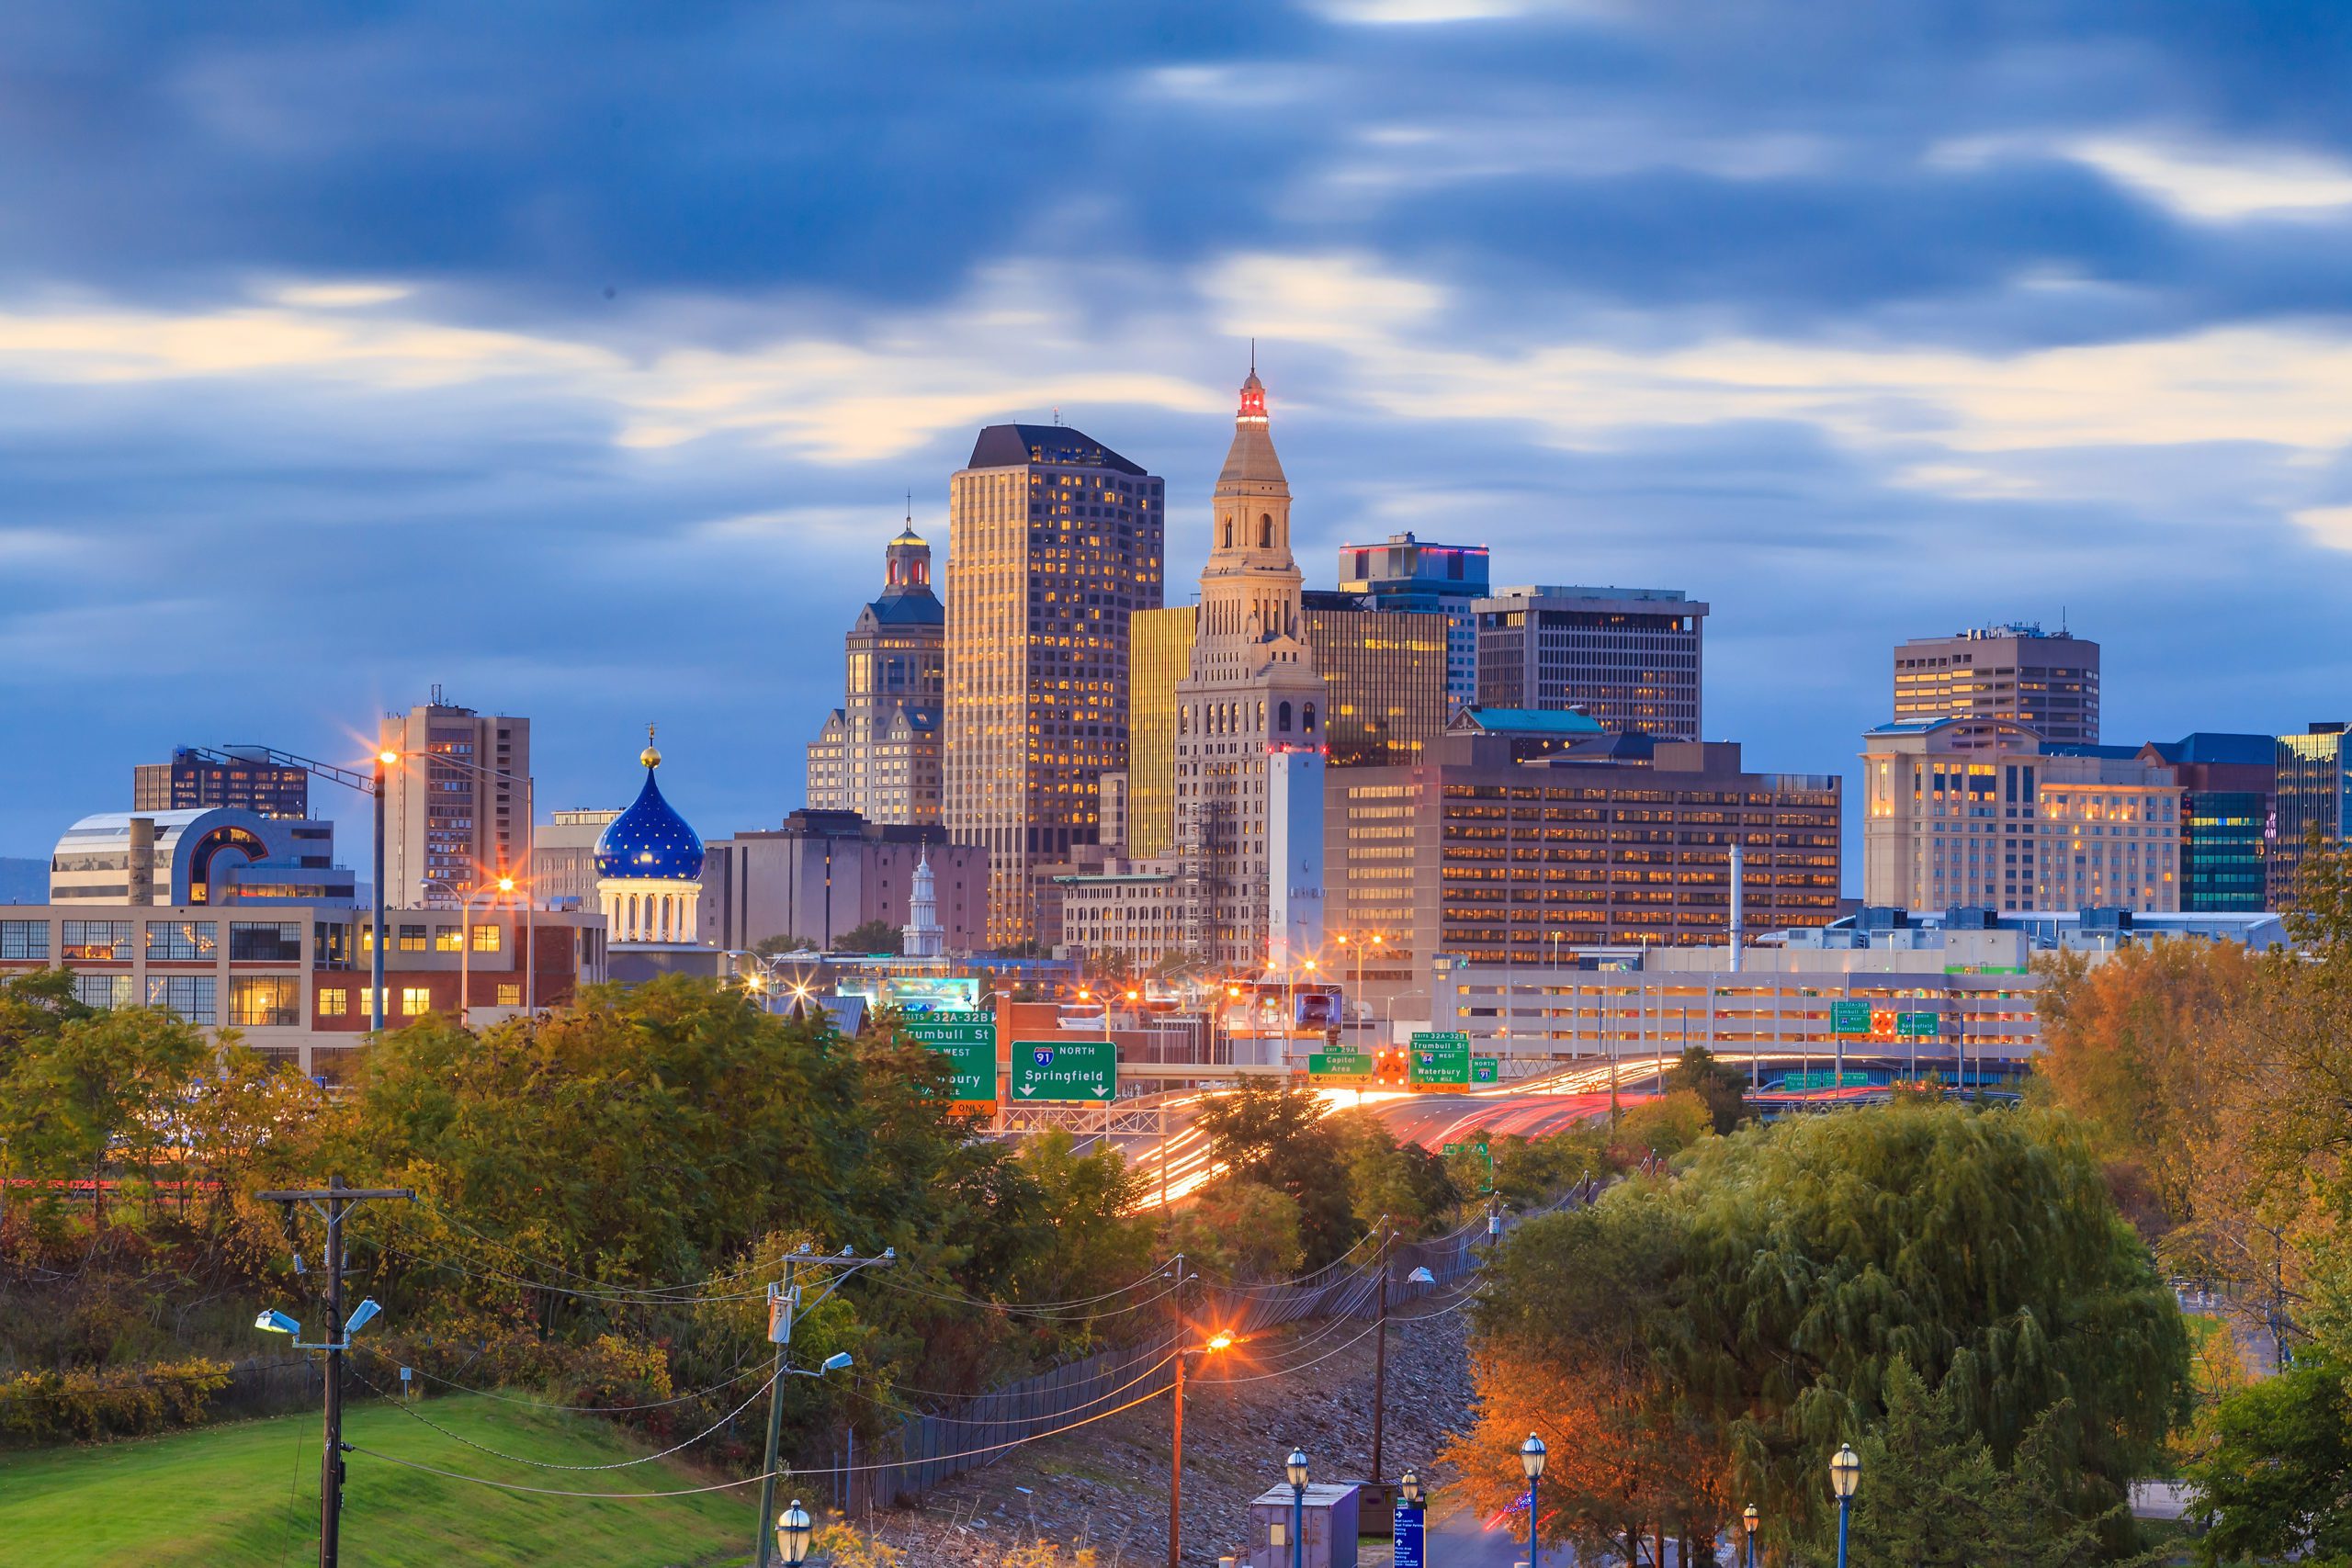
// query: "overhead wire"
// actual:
[[743, 1369], [755, 1480], [405, 1409]]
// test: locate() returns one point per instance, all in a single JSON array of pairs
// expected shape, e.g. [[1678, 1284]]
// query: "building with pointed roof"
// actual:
[[649, 866], [1249, 730], [878, 753]]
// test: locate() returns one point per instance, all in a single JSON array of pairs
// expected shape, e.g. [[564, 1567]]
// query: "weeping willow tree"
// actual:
[[1806, 1263]]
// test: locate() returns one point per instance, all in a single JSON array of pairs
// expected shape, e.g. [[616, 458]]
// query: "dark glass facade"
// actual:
[[190, 783], [2221, 851], [2314, 786], [1384, 676]]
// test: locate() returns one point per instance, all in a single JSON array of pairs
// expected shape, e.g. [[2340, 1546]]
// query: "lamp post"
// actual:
[[1295, 1468], [1845, 1474], [1749, 1518], [783, 1306], [1531, 1459], [793, 1532], [466, 945], [384, 759]]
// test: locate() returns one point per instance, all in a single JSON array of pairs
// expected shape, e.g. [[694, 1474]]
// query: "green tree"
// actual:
[[1085, 1202], [1720, 1087], [775, 946], [1405, 1182], [873, 936], [1271, 1132], [101, 1088], [2274, 1475], [1237, 1230], [1809, 1257], [1937, 1497]]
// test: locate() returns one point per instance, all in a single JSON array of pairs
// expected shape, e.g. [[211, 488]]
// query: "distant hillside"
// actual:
[[23, 881]]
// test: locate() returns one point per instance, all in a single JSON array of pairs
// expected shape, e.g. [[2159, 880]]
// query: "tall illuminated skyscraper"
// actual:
[[1054, 542], [878, 752], [1249, 733], [1161, 643]]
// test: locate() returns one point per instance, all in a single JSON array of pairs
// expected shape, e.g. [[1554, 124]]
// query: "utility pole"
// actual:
[[1176, 1449], [783, 1306], [1380, 1355], [332, 1203]]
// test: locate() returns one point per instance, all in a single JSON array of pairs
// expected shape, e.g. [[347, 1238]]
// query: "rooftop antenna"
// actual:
[[1058, 415], [1254, 356]]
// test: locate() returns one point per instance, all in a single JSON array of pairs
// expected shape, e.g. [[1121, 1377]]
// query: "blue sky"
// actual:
[[577, 357]]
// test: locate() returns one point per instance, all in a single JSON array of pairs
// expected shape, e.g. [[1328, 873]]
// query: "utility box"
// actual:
[[1331, 1516]]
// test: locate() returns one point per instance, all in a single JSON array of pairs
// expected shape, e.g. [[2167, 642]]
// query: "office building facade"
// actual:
[[1978, 812], [293, 979], [1402, 573], [2229, 794], [1161, 655], [204, 857], [245, 780], [878, 753], [1385, 677], [1488, 859], [457, 804], [1252, 693], [2314, 784], [2049, 683], [823, 874], [1631, 657], [1054, 541], [563, 857]]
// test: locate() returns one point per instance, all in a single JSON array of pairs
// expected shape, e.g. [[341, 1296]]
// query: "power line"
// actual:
[[549, 1464], [764, 1475]]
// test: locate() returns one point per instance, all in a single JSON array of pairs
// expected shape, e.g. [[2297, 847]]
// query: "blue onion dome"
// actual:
[[649, 840]]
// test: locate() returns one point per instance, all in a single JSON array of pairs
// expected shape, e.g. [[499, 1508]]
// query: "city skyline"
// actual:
[[1923, 351]]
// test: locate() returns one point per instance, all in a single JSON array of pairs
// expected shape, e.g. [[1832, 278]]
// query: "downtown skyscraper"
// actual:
[[1054, 541], [1248, 734]]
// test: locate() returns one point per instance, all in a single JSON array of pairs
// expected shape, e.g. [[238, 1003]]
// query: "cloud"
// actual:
[[2221, 184]]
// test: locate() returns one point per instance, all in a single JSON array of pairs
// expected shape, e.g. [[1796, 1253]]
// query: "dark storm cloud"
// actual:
[[690, 241]]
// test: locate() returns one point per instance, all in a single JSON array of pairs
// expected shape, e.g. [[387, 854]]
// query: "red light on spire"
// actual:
[[1253, 391]]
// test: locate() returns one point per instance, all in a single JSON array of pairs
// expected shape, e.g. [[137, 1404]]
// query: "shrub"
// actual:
[[118, 1402]]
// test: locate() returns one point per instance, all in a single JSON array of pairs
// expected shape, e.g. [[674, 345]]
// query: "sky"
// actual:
[[579, 358]]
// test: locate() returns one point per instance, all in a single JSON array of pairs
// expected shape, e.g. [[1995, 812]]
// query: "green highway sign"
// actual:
[[1050, 1071], [1440, 1058], [1796, 1083], [1485, 1069], [1338, 1064], [1915, 1023], [969, 1042], [1849, 1017]]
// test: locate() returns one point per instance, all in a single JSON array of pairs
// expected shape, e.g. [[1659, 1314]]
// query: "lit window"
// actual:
[[446, 940], [334, 1001], [415, 1001], [510, 995], [486, 939]]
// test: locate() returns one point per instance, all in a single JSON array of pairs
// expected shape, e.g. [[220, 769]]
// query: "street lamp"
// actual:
[[1408, 1489], [1845, 1474], [1296, 1468], [1531, 1459], [504, 885], [1748, 1517], [1220, 1341], [793, 1532]]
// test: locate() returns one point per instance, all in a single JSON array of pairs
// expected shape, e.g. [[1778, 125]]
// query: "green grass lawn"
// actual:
[[248, 1494]]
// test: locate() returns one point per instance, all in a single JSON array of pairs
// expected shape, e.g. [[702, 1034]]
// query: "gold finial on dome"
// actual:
[[649, 757]]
